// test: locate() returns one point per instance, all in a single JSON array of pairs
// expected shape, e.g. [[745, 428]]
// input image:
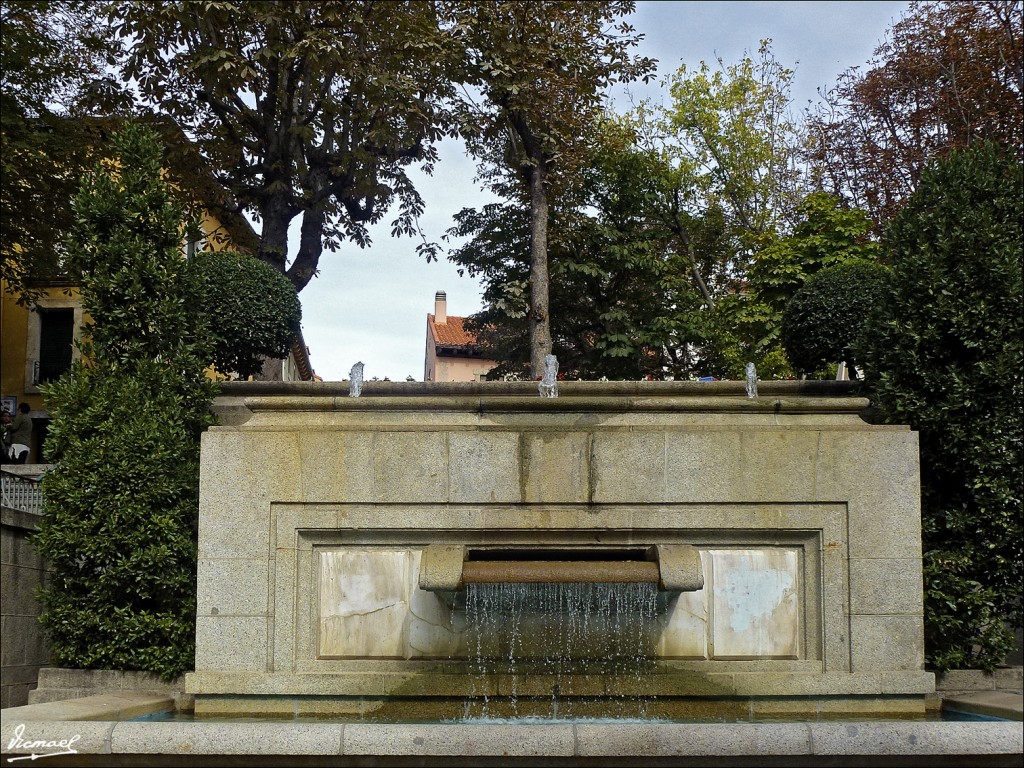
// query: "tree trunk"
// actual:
[[540, 322], [276, 215], [311, 245]]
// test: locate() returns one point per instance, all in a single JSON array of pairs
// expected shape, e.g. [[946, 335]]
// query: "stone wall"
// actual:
[[23, 642], [307, 496]]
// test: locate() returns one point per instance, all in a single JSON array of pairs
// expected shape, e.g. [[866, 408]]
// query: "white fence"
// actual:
[[21, 490]]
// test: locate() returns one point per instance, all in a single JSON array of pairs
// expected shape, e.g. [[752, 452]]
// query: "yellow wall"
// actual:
[[16, 319], [14, 330]]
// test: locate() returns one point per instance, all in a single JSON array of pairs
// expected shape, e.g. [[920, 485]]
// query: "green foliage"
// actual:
[[734, 335], [826, 234], [732, 142], [823, 320], [621, 301], [944, 353], [119, 532], [122, 500], [945, 76], [541, 69], [251, 308], [53, 54], [304, 110]]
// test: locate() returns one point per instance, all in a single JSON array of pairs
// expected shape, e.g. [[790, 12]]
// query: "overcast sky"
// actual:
[[371, 305]]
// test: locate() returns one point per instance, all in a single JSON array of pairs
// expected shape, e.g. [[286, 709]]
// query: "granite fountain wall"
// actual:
[[316, 596]]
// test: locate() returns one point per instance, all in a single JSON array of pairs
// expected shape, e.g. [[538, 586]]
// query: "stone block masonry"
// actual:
[[22, 571], [315, 509]]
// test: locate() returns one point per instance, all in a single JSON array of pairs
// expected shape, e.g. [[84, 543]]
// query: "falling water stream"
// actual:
[[551, 640]]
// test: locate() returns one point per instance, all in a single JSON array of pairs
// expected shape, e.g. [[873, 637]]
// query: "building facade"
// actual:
[[452, 353]]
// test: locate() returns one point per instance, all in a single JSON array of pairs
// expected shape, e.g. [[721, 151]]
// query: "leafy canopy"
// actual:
[[823, 321], [947, 75], [306, 111], [53, 75], [537, 73]]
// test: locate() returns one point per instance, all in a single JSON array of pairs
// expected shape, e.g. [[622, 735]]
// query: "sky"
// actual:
[[371, 305]]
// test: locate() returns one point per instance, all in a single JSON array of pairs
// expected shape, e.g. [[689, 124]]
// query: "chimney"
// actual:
[[440, 308]]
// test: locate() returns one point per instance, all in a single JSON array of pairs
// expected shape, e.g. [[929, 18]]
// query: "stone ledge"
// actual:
[[491, 404], [20, 518], [120, 706], [379, 389], [955, 681], [448, 744], [1008, 706], [720, 682]]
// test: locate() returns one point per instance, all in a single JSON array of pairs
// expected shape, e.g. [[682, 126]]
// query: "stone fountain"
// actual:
[[344, 543]]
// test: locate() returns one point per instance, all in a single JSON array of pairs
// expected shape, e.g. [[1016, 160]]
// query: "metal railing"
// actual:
[[20, 490]]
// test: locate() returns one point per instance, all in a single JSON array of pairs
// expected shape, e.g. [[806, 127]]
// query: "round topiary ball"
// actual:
[[823, 320], [252, 310]]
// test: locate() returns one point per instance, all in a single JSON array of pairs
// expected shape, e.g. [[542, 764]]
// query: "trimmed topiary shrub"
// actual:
[[251, 309], [945, 354], [823, 319], [121, 503]]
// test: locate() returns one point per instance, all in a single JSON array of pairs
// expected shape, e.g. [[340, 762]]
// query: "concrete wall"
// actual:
[[21, 572], [300, 475]]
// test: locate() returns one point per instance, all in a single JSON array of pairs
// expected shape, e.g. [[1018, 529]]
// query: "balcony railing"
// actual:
[[20, 487]]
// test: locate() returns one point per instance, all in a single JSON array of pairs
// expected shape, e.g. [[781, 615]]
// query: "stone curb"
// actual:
[[628, 740]]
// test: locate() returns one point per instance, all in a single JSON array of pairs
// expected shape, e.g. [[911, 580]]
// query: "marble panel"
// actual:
[[363, 603], [755, 603], [371, 607], [684, 626]]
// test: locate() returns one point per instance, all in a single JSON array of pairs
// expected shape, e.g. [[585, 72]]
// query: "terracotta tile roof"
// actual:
[[451, 334]]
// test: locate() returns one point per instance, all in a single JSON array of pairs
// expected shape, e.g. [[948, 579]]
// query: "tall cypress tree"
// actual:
[[122, 501]]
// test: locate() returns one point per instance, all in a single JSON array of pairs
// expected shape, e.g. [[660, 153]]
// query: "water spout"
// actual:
[[751, 381], [355, 380], [549, 383]]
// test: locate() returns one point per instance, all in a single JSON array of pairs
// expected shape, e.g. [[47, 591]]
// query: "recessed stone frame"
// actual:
[[819, 530]]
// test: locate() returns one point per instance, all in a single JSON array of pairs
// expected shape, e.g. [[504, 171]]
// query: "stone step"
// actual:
[[1003, 704], [58, 684]]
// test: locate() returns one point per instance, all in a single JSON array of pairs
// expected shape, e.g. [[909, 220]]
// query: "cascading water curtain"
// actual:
[[590, 640]]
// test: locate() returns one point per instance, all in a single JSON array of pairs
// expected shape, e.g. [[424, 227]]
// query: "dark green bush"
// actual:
[[251, 309], [824, 318], [121, 503], [944, 353]]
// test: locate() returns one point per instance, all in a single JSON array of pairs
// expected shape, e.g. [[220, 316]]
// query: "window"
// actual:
[[56, 335], [53, 328]]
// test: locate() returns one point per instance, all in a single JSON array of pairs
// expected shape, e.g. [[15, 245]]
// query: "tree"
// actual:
[[121, 502], [723, 179], [540, 69], [826, 234], [305, 110], [53, 73], [949, 75], [724, 151], [253, 310], [621, 302], [823, 321], [944, 354]]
